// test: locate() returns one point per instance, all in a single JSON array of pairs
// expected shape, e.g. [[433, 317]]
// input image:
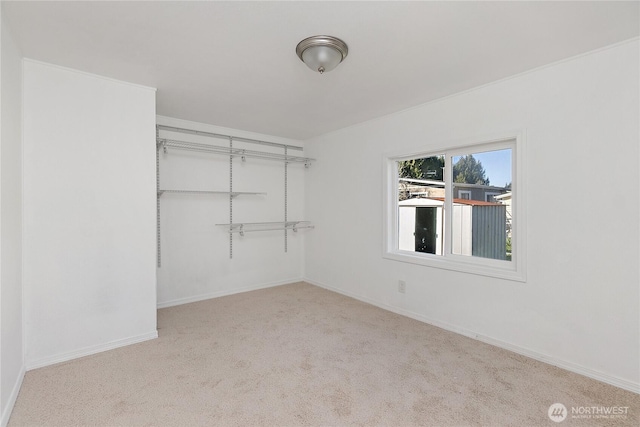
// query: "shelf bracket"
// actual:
[[162, 143]]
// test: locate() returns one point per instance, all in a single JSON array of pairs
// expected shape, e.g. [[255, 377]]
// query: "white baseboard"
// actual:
[[569, 366], [224, 293], [6, 411], [46, 361]]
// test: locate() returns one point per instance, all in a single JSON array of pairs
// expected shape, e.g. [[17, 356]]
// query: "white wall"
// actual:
[[11, 344], [195, 253], [89, 213], [580, 305]]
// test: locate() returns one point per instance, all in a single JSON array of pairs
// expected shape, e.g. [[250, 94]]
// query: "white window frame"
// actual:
[[511, 270]]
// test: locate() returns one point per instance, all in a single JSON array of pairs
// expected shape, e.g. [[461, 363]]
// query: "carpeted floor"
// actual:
[[299, 355]]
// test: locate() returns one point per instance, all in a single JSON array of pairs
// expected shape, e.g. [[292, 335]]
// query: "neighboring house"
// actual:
[[486, 193], [410, 187]]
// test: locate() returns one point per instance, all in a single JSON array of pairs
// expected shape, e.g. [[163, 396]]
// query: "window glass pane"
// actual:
[[421, 192], [481, 213]]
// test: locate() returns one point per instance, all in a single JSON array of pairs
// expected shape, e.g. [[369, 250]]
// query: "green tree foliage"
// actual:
[[469, 171], [411, 169], [432, 168], [425, 168]]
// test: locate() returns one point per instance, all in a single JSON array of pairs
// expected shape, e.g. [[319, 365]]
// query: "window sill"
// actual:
[[471, 265]]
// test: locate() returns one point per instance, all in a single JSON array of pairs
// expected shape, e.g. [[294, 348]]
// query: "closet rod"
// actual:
[[241, 231], [207, 148], [235, 138], [287, 223], [248, 227]]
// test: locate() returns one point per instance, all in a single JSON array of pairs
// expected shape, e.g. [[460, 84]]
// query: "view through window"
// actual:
[[477, 192]]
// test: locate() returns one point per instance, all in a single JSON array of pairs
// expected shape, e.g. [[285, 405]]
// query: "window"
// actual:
[[458, 208], [489, 196]]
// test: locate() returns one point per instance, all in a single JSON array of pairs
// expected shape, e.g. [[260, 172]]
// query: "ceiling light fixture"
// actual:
[[322, 53]]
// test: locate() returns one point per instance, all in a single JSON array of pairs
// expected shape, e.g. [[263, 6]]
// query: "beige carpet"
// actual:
[[300, 355]]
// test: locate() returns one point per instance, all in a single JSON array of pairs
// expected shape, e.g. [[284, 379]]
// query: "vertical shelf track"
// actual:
[[286, 164], [158, 254], [230, 198]]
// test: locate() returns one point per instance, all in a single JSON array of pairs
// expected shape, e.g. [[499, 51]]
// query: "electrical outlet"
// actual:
[[402, 286]]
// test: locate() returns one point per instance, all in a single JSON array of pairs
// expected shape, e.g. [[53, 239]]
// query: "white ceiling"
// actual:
[[233, 64]]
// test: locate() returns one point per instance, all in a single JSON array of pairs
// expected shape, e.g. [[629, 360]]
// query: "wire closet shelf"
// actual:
[[167, 143], [233, 194], [232, 228]]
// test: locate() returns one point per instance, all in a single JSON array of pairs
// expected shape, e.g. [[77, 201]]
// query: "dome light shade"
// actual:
[[322, 53]]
